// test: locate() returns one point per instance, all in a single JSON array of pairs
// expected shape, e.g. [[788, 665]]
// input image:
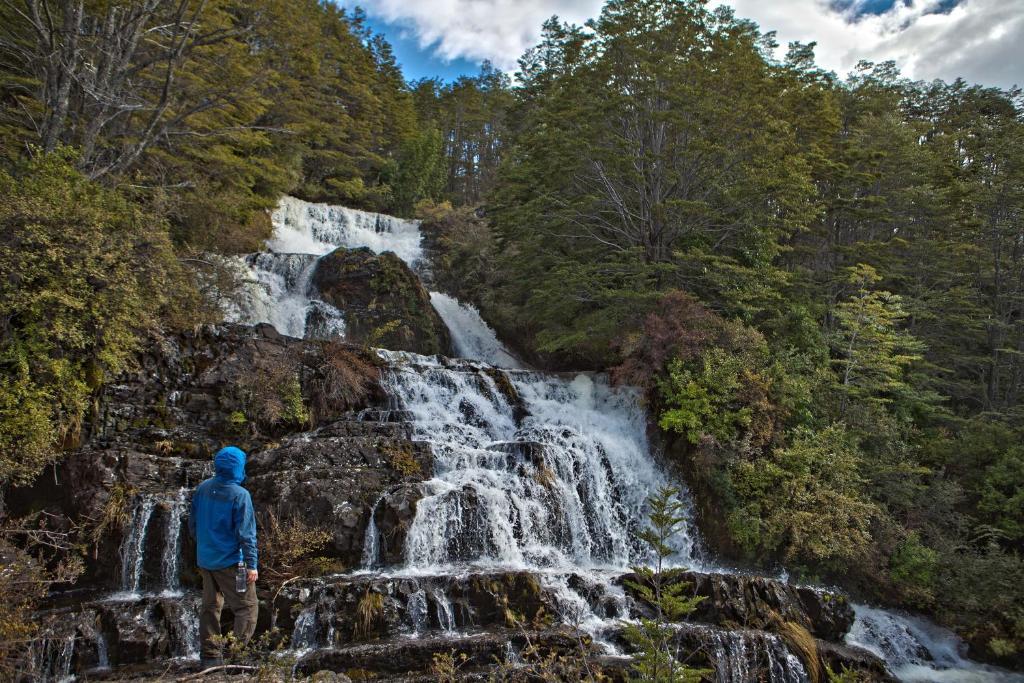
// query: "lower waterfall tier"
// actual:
[[547, 476]]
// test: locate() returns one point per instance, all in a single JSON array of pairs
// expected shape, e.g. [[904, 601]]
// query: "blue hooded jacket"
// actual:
[[222, 519]]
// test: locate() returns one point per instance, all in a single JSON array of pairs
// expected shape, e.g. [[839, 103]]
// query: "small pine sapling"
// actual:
[[657, 658]]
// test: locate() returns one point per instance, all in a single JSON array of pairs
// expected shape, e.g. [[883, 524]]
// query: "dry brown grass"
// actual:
[[804, 646], [369, 613], [345, 380]]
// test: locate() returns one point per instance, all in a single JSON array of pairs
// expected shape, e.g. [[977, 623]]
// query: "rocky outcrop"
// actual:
[[393, 516], [94, 636], [481, 651], [761, 603], [331, 478], [348, 620], [347, 610], [152, 436], [382, 300]]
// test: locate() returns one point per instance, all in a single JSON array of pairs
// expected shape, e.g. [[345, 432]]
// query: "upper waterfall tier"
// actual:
[[277, 286], [302, 227]]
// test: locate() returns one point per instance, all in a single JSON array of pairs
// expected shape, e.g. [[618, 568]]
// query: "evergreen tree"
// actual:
[[872, 351], [658, 658]]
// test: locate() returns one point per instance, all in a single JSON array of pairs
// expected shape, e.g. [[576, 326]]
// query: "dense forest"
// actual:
[[817, 280]]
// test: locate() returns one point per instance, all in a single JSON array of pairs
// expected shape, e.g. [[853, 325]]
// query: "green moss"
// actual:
[[295, 407], [402, 459]]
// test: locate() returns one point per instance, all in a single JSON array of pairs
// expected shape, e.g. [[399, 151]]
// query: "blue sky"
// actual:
[[420, 62], [979, 40]]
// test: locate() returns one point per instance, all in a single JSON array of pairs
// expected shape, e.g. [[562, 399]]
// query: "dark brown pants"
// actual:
[[218, 588]]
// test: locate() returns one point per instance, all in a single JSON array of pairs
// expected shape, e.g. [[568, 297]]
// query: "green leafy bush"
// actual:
[[703, 397], [86, 273], [913, 566], [805, 503]]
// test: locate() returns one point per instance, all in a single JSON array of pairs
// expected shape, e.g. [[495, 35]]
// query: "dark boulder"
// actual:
[[393, 517], [764, 604], [383, 301]]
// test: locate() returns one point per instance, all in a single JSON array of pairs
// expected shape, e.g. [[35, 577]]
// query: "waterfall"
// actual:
[[531, 471], [133, 547], [52, 659], [917, 650], [277, 286], [183, 617], [371, 543], [170, 560], [306, 228], [445, 614], [471, 336], [102, 651], [304, 633], [419, 617]]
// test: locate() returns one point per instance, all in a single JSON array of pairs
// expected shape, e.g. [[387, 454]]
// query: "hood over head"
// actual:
[[229, 464]]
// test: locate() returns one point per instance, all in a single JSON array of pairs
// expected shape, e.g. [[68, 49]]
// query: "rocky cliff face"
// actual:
[[345, 462]]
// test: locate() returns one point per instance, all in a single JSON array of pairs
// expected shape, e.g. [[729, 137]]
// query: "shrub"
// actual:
[[913, 566], [272, 396], [704, 399], [806, 502], [344, 380], [86, 273]]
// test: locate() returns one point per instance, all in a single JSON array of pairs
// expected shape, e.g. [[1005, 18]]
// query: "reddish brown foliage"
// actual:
[[681, 327]]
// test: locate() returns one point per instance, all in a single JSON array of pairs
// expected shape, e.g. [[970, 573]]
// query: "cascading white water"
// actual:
[[743, 656], [184, 626], [471, 337], [134, 545], [417, 608], [304, 632], [170, 561], [445, 615], [277, 283], [553, 478], [276, 290], [917, 650], [102, 652], [306, 228], [556, 475]]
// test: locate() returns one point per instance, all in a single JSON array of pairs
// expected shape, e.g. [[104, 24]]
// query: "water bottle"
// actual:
[[241, 578]]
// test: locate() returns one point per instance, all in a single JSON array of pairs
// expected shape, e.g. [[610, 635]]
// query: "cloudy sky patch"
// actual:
[[979, 40]]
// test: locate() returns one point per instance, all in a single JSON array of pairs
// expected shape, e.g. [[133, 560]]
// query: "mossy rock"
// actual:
[[383, 302]]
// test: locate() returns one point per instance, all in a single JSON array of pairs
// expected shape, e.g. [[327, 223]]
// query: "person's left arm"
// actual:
[[246, 531]]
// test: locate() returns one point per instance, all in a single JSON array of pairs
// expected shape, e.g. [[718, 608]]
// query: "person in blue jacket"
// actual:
[[223, 524]]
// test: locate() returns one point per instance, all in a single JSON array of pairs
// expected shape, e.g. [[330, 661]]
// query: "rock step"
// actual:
[[762, 603], [416, 655], [482, 599]]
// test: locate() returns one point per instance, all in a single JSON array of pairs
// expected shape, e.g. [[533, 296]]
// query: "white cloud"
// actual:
[[980, 40]]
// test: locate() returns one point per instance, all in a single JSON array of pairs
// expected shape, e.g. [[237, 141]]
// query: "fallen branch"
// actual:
[[220, 667]]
